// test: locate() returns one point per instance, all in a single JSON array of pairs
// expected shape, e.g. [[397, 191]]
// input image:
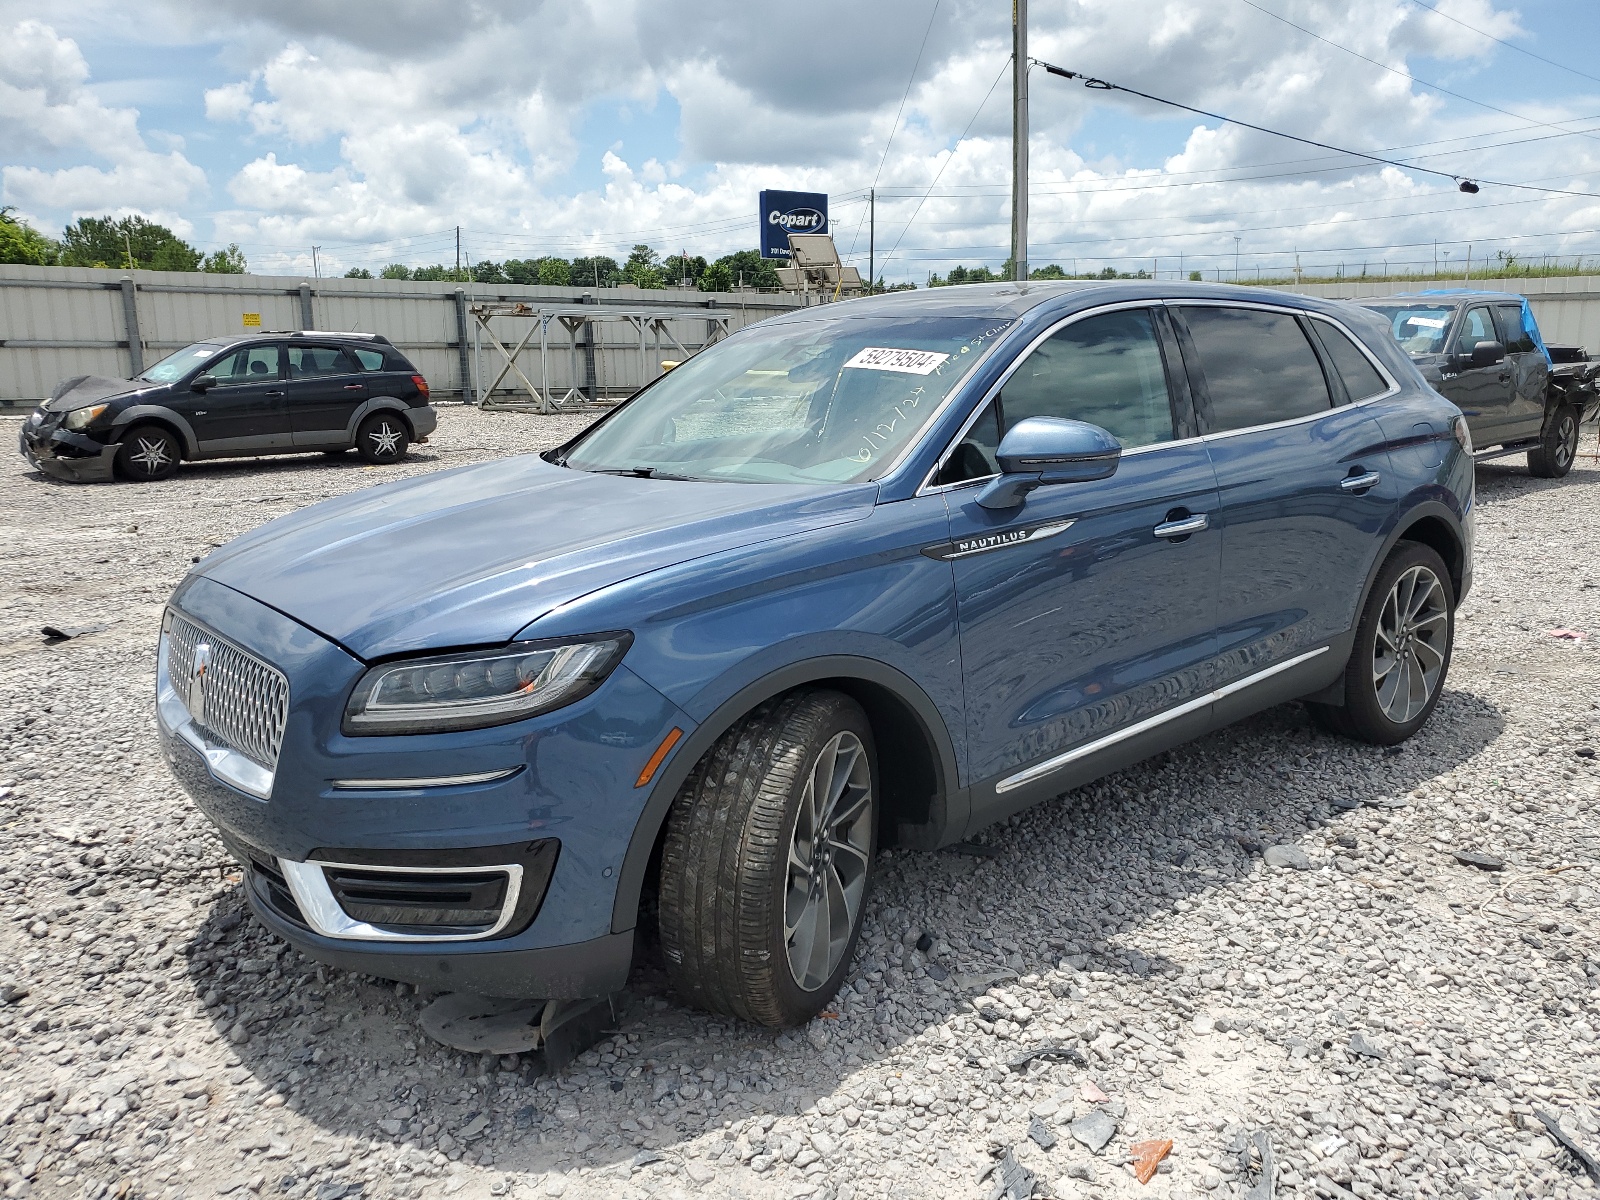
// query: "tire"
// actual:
[[734, 931], [148, 453], [383, 438], [1558, 445], [1381, 705]]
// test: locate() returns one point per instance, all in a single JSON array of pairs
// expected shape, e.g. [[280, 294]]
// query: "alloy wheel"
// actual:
[[828, 861], [1408, 654], [151, 454], [1567, 442], [385, 439]]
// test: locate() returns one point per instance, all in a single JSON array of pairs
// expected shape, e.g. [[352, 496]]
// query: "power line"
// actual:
[[1395, 70], [954, 150], [1466, 185], [1520, 50]]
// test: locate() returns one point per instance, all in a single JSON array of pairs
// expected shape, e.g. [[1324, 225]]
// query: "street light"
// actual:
[[1236, 258]]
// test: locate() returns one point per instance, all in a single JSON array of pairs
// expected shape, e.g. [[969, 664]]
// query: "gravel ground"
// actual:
[[1390, 1019]]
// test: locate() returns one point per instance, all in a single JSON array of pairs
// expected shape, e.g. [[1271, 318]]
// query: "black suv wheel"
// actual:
[[767, 859], [1558, 445], [1402, 652], [148, 452], [383, 438]]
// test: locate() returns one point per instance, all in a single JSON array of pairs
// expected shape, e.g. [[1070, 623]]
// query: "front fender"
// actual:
[[131, 416]]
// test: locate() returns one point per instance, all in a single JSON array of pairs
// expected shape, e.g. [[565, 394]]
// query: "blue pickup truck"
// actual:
[[1483, 352]]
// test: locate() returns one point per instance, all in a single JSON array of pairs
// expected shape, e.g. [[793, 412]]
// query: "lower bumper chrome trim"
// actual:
[[423, 781], [1051, 765], [311, 892]]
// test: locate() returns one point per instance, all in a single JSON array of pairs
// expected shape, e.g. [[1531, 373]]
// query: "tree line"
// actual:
[[643, 268], [127, 244]]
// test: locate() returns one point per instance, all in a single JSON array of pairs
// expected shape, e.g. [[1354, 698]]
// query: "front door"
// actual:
[[325, 389], [1088, 609], [1482, 393], [244, 410], [1305, 488]]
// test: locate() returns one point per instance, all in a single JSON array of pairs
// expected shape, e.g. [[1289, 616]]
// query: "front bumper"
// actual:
[[63, 454], [553, 814]]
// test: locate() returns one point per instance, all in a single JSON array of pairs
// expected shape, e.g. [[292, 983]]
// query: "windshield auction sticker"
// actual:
[[909, 362]]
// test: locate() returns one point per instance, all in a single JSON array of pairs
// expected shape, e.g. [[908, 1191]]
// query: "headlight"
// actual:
[[473, 691], [79, 418]]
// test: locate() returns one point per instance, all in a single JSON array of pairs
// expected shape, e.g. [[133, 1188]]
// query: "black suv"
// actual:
[[228, 397], [1483, 352]]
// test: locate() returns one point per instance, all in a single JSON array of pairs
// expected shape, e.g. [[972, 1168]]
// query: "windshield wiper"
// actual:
[[651, 473]]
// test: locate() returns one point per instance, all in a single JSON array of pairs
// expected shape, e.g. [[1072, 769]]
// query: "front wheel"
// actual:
[[383, 438], [767, 858], [1558, 445], [1402, 650], [148, 453]]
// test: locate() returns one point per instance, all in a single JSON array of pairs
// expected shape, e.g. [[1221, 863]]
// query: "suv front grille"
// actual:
[[244, 702]]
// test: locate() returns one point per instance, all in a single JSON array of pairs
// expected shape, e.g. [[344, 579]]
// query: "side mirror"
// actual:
[[1486, 354], [1039, 451], [201, 382]]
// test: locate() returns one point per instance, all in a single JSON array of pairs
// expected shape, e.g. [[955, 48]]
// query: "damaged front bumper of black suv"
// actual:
[[62, 454]]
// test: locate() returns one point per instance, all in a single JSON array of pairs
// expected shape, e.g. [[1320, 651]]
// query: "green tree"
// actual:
[[600, 271], [1053, 271], [107, 242], [1195, 276], [395, 271], [717, 278], [227, 261], [358, 273], [749, 269], [21, 243], [489, 272], [521, 270], [643, 268], [554, 272]]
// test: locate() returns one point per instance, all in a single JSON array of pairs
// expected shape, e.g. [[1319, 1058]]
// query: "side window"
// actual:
[[253, 364], [370, 360], [1514, 333], [1258, 367], [1105, 370], [1475, 327], [309, 362], [1361, 378]]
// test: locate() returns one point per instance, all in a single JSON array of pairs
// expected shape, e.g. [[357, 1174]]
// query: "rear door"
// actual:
[[1085, 610], [1482, 393], [1530, 373], [1305, 488], [325, 387], [244, 410]]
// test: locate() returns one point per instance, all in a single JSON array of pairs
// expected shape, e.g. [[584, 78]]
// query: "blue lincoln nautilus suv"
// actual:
[[871, 573]]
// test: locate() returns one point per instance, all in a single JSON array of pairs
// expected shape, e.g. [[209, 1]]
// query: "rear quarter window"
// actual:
[[1361, 379], [370, 360]]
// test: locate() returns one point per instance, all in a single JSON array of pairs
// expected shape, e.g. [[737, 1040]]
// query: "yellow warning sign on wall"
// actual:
[[252, 320]]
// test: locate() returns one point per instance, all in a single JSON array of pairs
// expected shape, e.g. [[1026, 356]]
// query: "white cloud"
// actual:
[[48, 111]]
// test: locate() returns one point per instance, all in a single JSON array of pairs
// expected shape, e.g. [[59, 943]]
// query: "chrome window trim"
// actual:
[[311, 892], [929, 488], [1051, 765], [425, 781]]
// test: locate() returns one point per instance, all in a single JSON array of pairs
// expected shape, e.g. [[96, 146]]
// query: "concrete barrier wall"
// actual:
[[57, 322], [1567, 308]]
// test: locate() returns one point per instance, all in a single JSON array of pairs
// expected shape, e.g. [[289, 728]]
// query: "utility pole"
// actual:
[[1019, 139], [316, 269], [1236, 258], [128, 246], [872, 240], [458, 252]]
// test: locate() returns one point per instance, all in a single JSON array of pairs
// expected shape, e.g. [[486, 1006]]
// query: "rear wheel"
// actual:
[[767, 859], [383, 438], [1558, 445], [148, 452], [1402, 651]]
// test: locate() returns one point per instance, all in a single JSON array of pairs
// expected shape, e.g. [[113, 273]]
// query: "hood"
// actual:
[[471, 556], [82, 390]]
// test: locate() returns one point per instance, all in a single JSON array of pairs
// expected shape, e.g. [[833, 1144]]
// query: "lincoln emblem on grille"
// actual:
[[197, 689]]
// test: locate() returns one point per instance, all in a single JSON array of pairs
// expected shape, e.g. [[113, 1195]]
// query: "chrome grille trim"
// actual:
[[246, 701]]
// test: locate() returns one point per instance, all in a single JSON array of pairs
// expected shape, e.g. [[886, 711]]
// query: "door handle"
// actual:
[[272, 393], [355, 387], [1183, 526], [1360, 483]]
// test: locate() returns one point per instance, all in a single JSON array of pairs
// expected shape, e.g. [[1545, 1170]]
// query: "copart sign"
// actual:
[[783, 213]]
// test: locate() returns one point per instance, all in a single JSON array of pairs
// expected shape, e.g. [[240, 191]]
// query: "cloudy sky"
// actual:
[[584, 126]]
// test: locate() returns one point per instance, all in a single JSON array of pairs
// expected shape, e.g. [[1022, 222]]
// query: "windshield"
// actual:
[[1419, 328], [828, 400], [176, 366]]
